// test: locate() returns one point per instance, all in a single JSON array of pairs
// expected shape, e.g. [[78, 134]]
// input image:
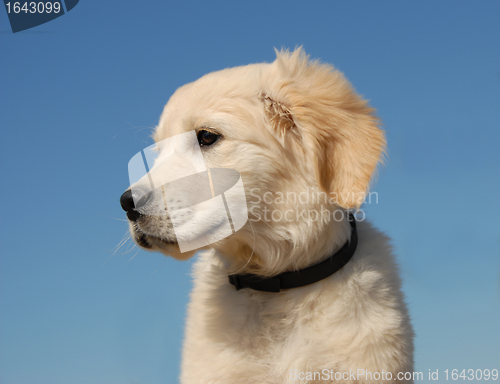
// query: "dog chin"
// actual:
[[168, 247]]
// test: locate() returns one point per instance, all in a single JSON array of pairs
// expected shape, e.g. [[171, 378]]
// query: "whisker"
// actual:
[[110, 217], [122, 242], [138, 249], [163, 262], [138, 129]]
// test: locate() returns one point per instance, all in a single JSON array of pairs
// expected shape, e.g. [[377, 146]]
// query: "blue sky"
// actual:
[[78, 99]]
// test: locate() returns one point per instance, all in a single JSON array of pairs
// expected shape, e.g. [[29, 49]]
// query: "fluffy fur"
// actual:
[[291, 127]]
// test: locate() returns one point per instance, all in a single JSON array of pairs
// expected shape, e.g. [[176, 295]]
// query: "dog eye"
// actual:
[[206, 138]]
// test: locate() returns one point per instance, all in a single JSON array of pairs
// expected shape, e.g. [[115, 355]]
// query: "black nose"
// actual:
[[127, 203]]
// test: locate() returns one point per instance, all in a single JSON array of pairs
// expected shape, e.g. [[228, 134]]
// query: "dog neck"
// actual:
[[301, 277], [266, 256]]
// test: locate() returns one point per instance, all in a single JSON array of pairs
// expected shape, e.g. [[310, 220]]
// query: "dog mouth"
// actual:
[[148, 241]]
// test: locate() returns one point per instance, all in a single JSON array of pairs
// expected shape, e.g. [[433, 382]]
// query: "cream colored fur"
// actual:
[[292, 126]]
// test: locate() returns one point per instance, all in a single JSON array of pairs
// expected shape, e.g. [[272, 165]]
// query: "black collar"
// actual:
[[304, 276]]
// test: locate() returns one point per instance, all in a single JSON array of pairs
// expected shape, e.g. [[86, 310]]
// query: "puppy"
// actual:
[[302, 292]]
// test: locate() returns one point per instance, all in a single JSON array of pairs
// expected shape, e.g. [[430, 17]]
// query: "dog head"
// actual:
[[291, 127]]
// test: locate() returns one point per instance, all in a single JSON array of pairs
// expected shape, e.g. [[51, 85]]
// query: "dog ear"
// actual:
[[333, 121], [278, 115], [348, 157]]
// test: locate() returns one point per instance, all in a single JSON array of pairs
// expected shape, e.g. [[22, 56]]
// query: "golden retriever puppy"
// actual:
[[302, 292]]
